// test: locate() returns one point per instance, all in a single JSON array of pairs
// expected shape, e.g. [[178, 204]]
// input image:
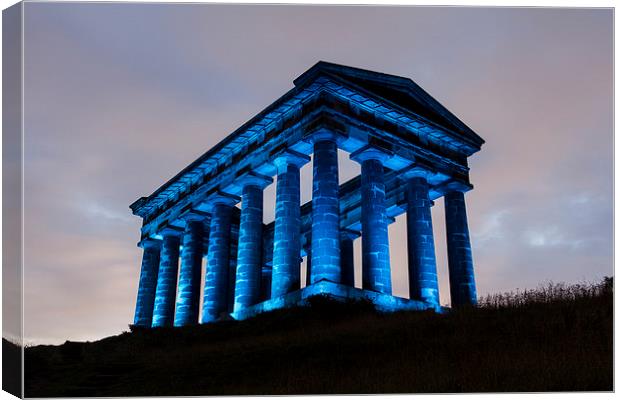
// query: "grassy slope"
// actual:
[[334, 348]]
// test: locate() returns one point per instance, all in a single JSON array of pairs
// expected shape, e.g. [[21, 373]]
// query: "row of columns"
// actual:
[[329, 254]]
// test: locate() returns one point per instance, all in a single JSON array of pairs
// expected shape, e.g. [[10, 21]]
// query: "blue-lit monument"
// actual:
[[411, 151]]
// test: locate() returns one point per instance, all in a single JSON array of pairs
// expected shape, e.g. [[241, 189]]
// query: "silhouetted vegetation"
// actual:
[[555, 338], [548, 294]]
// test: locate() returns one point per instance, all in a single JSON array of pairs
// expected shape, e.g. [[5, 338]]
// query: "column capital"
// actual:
[[254, 179], [149, 243], [325, 134], [417, 171], [193, 214], [457, 186], [220, 197], [170, 230], [349, 234], [282, 160], [370, 152]]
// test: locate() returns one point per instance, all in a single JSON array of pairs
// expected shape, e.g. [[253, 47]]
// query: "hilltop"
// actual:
[[556, 338]]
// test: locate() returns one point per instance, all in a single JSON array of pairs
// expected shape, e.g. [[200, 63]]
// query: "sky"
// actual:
[[120, 97]]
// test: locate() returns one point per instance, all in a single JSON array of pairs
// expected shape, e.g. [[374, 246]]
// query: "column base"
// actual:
[[338, 292]]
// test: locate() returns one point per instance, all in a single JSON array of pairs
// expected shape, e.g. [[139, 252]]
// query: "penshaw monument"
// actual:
[[411, 150]]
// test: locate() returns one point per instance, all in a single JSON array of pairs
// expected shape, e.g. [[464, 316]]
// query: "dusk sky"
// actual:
[[120, 97]]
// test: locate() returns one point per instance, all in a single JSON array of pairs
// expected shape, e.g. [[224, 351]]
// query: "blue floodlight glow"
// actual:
[[412, 151]]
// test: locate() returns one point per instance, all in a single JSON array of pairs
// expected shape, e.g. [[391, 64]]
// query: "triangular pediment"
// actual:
[[398, 90]]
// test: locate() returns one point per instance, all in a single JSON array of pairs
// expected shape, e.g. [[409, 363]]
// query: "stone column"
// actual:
[[347, 237], [148, 283], [420, 244], [249, 255], [232, 259], [287, 229], [325, 210], [308, 249], [375, 242], [265, 281], [460, 264], [205, 237], [188, 294], [218, 258], [265, 284], [163, 313]]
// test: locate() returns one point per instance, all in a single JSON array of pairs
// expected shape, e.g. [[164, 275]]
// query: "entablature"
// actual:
[[324, 103]]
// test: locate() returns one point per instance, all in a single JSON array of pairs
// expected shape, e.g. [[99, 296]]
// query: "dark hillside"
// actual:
[[558, 338]]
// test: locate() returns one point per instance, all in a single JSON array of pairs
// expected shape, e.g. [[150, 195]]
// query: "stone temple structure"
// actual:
[[411, 150]]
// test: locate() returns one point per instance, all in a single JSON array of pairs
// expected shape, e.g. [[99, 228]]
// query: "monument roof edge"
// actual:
[[345, 69], [401, 83]]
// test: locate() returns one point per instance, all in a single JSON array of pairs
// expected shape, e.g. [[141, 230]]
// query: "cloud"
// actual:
[[550, 237], [491, 229]]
